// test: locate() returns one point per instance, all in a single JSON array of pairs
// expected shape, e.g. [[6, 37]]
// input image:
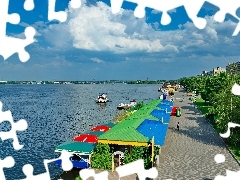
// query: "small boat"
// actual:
[[102, 98], [127, 106], [159, 89]]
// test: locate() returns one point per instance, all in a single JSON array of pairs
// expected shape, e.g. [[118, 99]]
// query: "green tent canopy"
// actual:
[[76, 147], [97, 133], [110, 124]]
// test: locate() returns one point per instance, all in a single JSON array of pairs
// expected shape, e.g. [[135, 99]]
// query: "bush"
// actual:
[[102, 157], [138, 105], [138, 152], [78, 178]]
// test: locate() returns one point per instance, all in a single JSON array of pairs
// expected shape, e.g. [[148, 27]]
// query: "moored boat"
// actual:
[[102, 98], [127, 106]]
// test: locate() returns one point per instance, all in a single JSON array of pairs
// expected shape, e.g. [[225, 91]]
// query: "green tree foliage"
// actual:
[[225, 105], [78, 178], [139, 152], [102, 157], [138, 105]]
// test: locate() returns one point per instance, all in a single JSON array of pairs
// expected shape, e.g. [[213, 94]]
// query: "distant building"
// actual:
[[214, 72], [204, 73], [233, 68], [209, 73], [217, 71]]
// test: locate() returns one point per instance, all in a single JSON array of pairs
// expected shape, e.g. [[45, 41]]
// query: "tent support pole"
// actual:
[[131, 150], [112, 162]]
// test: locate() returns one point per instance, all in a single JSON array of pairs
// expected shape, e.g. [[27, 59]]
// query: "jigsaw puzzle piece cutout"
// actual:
[[13, 18], [66, 163], [226, 7], [53, 15], [159, 5], [8, 162], [10, 45], [21, 125], [75, 4], [137, 167], [87, 173], [28, 171], [116, 5], [29, 5], [192, 8], [229, 175], [66, 166]]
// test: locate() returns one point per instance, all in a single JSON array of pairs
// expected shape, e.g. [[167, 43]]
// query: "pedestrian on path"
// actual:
[[178, 126]]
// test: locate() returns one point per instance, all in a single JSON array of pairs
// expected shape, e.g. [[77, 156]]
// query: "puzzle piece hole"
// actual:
[[8, 162], [238, 12], [231, 18], [14, 18], [22, 125], [28, 170]]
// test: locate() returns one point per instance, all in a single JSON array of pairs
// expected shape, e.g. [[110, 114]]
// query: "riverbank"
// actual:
[[132, 136]]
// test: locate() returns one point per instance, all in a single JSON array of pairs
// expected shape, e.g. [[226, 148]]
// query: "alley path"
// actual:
[[188, 154]]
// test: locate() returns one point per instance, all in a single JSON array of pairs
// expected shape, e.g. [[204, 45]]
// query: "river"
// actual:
[[56, 113]]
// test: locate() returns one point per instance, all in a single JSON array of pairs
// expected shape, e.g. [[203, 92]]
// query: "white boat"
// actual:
[[102, 98], [127, 106]]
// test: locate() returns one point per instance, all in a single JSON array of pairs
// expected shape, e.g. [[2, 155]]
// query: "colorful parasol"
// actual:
[[101, 128], [89, 138]]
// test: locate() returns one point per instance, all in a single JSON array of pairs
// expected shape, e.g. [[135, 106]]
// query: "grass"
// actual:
[[235, 151], [121, 115], [204, 108], [78, 178]]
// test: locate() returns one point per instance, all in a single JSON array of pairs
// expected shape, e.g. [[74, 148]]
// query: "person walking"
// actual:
[[178, 126]]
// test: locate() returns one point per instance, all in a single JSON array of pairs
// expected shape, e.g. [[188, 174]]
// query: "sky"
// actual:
[[95, 43]]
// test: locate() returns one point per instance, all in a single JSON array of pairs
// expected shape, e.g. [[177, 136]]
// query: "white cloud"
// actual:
[[95, 28], [97, 60], [154, 11]]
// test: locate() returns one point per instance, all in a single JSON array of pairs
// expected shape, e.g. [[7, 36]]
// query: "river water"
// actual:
[[57, 113]]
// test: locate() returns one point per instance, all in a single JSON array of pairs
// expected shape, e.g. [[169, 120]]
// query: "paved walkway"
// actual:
[[189, 153]]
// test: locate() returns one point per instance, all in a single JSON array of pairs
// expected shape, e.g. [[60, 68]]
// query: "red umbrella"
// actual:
[[90, 138], [100, 128]]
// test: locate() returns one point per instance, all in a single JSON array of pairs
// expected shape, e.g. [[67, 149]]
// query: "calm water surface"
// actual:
[[56, 113]]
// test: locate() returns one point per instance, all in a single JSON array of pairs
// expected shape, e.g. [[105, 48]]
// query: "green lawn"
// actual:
[[235, 151], [204, 108]]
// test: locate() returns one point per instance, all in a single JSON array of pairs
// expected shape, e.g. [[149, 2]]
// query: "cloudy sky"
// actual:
[[94, 43]]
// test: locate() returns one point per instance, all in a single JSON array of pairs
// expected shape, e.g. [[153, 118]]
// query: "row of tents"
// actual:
[[136, 130], [82, 146]]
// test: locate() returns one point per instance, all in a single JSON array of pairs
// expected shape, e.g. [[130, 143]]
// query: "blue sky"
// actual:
[[94, 43]]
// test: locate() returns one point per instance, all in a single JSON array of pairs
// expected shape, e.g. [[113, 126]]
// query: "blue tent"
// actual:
[[161, 115], [167, 102], [165, 107], [150, 128]]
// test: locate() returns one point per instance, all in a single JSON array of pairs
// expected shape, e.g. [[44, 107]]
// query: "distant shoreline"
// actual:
[[80, 82]]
